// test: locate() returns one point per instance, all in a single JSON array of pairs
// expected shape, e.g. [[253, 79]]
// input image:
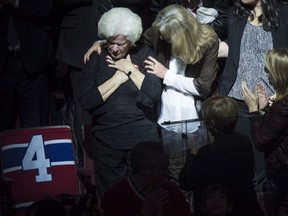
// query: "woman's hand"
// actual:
[[96, 47], [155, 67], [250, 99], [261, 94], [124, 64], [271, 99]]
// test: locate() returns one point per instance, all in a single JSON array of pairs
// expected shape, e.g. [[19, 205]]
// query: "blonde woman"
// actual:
[[270, 130], [187, 62]]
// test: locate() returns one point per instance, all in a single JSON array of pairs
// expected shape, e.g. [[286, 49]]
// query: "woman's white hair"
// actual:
[[120, 21]]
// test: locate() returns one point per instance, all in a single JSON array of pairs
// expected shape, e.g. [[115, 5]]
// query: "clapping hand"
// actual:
[[256, 101], [262, 97]]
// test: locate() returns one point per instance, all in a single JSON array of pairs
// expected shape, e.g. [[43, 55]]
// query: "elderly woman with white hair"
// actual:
[[120, 95]]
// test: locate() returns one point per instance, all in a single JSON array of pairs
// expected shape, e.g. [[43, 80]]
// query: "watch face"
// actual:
[[133, 69]]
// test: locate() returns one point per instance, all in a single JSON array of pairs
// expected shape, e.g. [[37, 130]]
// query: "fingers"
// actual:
[[87, 55], [128, 57], [150, 64], [96, 47]]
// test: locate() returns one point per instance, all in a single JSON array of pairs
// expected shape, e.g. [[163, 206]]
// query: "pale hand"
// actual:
[[262, 97], [250, 99], [155, 67], [123, 65], [96, 47]]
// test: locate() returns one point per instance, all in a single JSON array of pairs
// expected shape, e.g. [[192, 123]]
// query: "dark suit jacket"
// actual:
[[79, 29], [236, 28], [33, 32], [220, 23]]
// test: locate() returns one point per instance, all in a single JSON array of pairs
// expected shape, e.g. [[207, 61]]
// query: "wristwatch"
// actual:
[[132, 70]]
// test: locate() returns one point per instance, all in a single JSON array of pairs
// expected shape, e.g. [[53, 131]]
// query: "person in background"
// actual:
[[146, 192], [217, 200], [269, 122], [228, 160], [27, 54], [211, 12], [120, 96], [78, 30], [254, 29]]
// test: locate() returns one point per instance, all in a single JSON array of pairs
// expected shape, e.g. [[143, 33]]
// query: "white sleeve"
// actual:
[[180, 83]]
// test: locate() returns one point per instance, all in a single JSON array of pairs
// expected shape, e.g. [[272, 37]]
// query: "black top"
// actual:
[[128, 114]]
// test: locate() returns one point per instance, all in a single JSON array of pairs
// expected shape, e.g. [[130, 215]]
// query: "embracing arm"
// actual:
[[204, 82]]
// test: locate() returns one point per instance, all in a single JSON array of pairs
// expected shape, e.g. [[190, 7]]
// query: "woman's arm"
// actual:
[[93, 92], [96, 47]]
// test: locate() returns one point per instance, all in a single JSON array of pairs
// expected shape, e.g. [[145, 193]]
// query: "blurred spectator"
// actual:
[[228, 160], [217, 200], [146, 192]]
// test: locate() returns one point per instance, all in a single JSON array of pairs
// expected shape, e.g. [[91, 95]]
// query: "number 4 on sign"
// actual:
[[35, 159]]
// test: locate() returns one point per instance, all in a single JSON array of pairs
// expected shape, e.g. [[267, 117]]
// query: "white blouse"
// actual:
[[177, 101]]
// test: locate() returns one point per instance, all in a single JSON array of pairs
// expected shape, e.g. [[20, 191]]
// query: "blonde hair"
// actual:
[[276, 61], [120, 21], [189, 39]]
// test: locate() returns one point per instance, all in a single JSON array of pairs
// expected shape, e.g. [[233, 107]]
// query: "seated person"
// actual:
[[217, 200], [146, 192], [228, 160]]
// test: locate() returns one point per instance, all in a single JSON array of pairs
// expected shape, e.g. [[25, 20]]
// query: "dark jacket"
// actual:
[[33, 31], [270, 135], [128, 114], [236, 27], [79, 29], [220, 23]]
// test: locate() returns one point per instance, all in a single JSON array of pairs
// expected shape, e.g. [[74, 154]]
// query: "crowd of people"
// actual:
[[188, 110]]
